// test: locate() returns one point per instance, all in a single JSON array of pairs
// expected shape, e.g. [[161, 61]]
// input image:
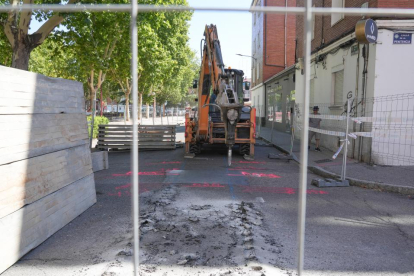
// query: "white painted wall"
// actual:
[[258, 99], [393, 142], [322, 73], [390, 72], [322, 76]]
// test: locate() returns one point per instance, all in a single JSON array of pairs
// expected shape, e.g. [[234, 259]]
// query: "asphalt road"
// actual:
[[200, 217]]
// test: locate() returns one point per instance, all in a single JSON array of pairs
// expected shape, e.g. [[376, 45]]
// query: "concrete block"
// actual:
[[99, 161]]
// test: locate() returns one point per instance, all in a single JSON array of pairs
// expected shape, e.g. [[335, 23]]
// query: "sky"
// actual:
[[234, 31]]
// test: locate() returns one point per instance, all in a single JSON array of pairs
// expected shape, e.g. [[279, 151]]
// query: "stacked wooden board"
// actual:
[[150, 137], [45, 161]]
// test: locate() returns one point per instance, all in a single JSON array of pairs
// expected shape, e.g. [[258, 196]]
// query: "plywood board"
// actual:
[[31, 225], [25, 92], [26, 136], [26, 181]]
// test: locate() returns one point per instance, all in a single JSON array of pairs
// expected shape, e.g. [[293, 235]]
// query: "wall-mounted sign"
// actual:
[[402, 38], [354, 50], [366, 31]]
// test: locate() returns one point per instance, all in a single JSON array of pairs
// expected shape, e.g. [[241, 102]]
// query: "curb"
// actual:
[[403, 190]]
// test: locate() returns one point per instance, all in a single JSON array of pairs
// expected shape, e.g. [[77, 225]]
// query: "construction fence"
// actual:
[[381, 129]]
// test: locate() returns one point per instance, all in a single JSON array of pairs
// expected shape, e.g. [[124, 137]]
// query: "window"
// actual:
[[337, 16], [258, 71], [338, 87], [258, 40]]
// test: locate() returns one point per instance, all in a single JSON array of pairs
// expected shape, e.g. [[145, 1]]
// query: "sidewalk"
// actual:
[[396, 179]]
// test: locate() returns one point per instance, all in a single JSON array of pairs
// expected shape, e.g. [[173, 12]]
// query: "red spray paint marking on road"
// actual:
[[274, 190], [205, 185], [124, 190], [246, 168], [270, 175], [165, 162], [123, 186], [250, 162], [160, 172]]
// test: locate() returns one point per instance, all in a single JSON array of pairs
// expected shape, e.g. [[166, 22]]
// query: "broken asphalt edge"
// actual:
[[403, 190]]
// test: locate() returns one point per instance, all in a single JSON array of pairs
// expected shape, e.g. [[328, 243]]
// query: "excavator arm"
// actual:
[[212, 67]]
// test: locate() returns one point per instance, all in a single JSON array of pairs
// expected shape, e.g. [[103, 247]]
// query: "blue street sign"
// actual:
[[402, 38]]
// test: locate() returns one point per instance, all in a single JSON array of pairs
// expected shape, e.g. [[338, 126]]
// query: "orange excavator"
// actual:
[[221, 116]]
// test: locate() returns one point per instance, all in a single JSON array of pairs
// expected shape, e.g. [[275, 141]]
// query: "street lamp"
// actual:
[[247, 56]]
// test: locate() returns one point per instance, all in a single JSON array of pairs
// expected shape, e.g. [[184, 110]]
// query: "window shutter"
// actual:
[[339, 86]]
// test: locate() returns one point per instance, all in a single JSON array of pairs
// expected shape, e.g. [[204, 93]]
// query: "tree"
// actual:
[[120, 72], [94, 37], [163, 51], [56, 60], [5, 51], [16, 29]]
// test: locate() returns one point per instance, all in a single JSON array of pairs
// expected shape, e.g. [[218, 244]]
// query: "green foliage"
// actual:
[[163, 51], [166, 64], [99, 120], [5, 50], [56, 60]]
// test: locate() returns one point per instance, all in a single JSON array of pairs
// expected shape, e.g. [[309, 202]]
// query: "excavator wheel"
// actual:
[[195, 148], [244, 149]]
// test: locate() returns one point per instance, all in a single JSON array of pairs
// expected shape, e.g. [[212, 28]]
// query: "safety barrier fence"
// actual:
[[307, 13], [383, 136]]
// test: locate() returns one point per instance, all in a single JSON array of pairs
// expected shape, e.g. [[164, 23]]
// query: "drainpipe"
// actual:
[[265, 43], [365, 53], [356, 104], [323, 18]]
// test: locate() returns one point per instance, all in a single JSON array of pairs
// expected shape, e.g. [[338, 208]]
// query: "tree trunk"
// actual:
[[154, 113], [147, 111], [127, 106], [21, 56], [140, 107], [101, 102], [92, 99]]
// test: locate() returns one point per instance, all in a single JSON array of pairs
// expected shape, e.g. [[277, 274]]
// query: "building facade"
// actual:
[[280, 100], [273, 44], [377, 75]]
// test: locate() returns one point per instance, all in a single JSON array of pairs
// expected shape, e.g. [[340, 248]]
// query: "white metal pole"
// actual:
[[348, 107], [305, 135], [93, 109], [135, 181]]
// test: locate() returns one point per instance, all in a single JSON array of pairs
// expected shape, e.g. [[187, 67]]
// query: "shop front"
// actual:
[[280, 100]]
